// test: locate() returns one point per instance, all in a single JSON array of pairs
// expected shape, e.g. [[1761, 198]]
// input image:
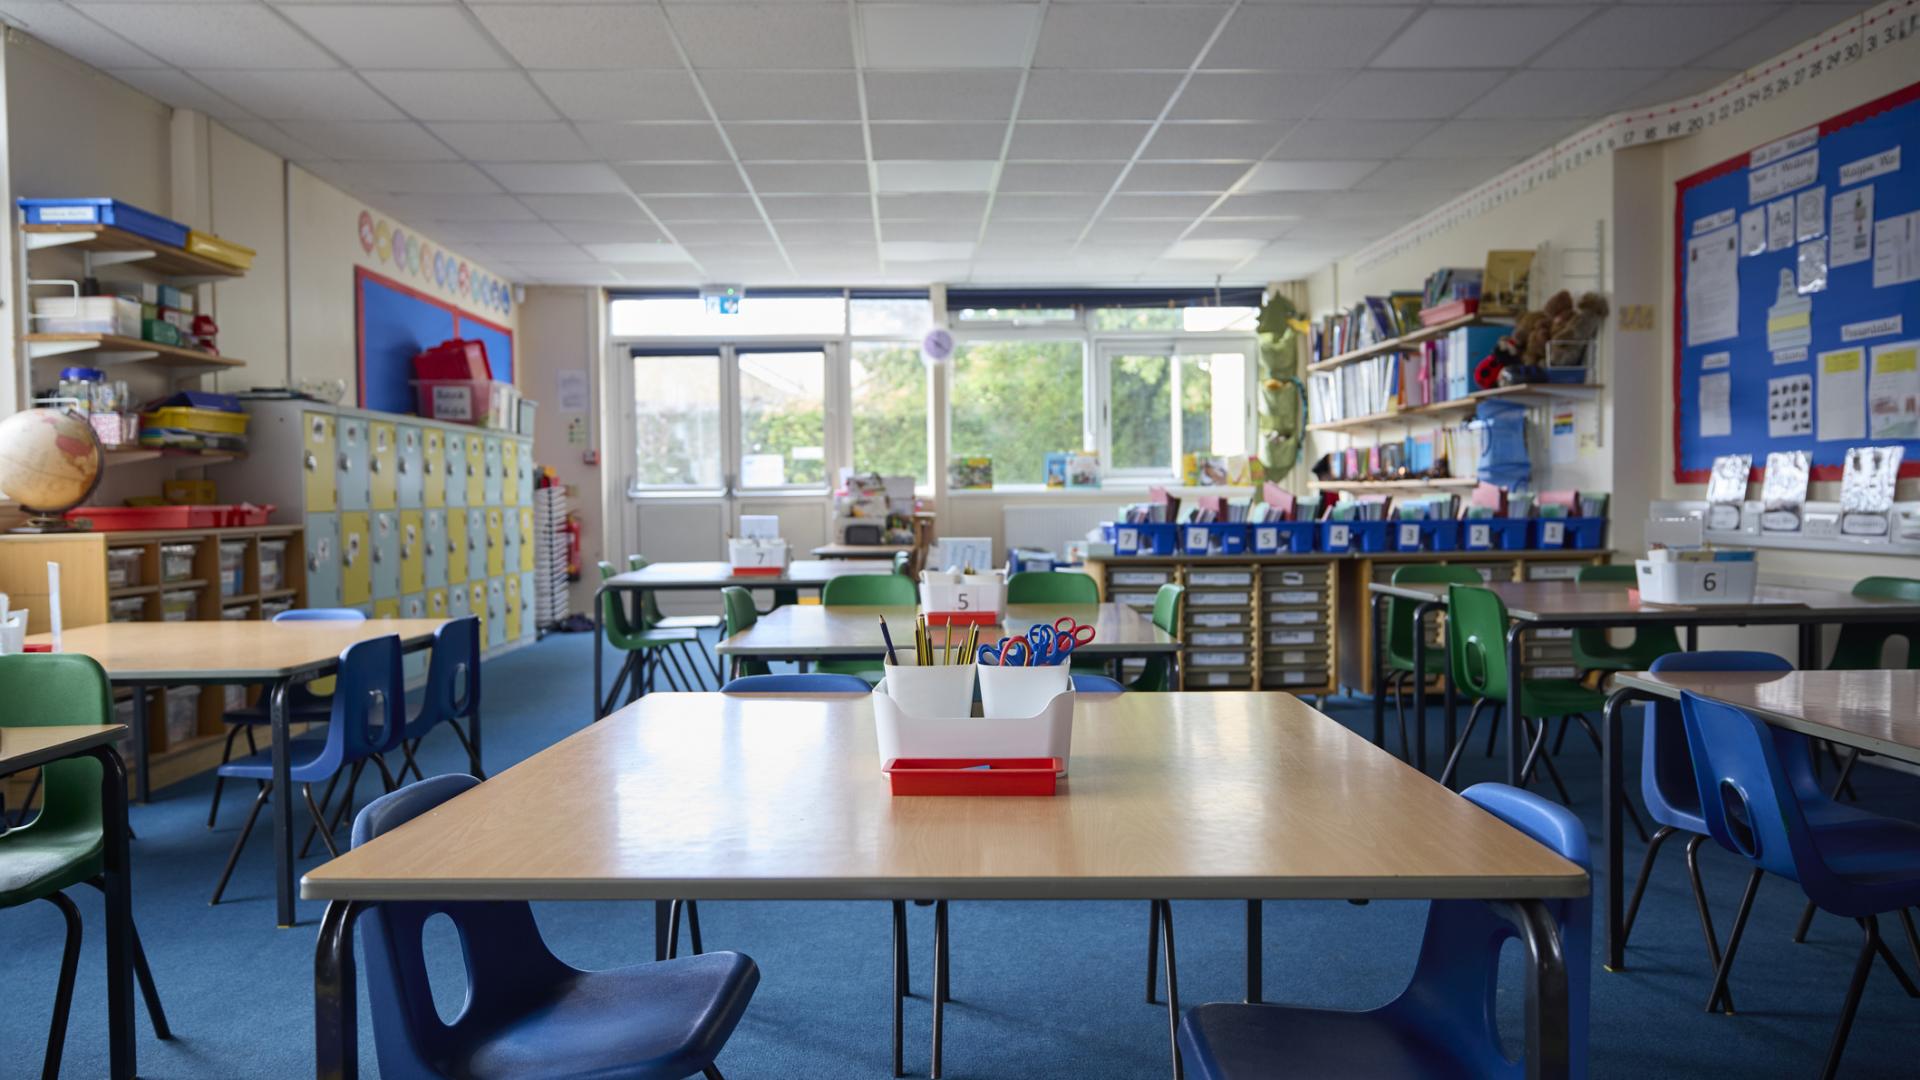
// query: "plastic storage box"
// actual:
[[1716, 582], [176, 561], [1553, 534], [270, 608], [123, 567], [1354, 535], [208, 246], [1493, 534], [111, 212], [86, 315], [183, 714], [179, 605], [455, 359], [1215, 538], [127, 609], [1148, 538], [463, 401], [273, 565], [1425, 535], [1283, 537], [233, 568]]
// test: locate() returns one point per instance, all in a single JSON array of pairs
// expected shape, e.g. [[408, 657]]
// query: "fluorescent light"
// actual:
[[637, 253], [925, 250], [1306, 175]]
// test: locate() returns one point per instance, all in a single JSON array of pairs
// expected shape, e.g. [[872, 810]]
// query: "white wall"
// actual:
[[562, 330]]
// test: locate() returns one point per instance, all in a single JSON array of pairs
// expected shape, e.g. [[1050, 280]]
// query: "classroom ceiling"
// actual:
[[857, 141]]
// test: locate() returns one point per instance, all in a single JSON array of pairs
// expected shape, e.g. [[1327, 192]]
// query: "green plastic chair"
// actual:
[[1477, 659], [1398, 653], [741, 614], [1050, 587], [1591, 649], [65, 845], [1156, 677], [866, 590], [650, 651], [654, 619], [1860, 644], [900, 561]]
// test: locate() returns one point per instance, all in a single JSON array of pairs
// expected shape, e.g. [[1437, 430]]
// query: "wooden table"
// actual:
[[1172, 796], [688, 576], [1875, 711], [23, 748], [841, 633], [222, 652]]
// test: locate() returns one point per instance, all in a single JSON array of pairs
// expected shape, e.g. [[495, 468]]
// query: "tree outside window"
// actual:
[[1017, 402], [889, 410]]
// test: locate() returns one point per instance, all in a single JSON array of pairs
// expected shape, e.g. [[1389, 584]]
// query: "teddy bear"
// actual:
[[1574, 332]]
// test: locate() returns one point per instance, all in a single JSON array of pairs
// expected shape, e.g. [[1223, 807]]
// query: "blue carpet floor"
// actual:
[[1041, 989]]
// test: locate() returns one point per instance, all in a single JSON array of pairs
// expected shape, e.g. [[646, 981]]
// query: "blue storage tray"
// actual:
[[1424, 535], [105, 212], [1493, 534], [1213, 538], [1586, 533], [1146, 539], [1283, 537], [1551, 534], [1360, 535]]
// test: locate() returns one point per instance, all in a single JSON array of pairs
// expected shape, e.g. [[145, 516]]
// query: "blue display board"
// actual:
[[1797, 295], [396, 323]]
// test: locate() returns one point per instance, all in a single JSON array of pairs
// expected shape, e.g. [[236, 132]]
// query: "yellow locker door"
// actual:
[[413, 540], [356, 558], [433, 455], [322, 492], [436, 603], [457, 548], [477, 607], [513, 609], [476, 470], [496, 543], [381, 466], [526, 539], [509, 473], [387, 609]]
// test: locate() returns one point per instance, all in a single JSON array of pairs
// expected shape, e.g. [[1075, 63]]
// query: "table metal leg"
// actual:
[[1420, 613], [1255, 911], [939, 979], [1173, 984], [1549, 1036], [1515, 736], [282, 804], [1613, 797], [1809, 656], [336, 1014], [141, 785], [118, 887], [1693, 638], [598, 593], [1377, 676]]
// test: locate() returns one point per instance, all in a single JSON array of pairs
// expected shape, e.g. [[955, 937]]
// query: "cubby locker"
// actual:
[[490, 461], [511, 585], [318, 464], [356, 561], [509, 472], [383, 469], [496, 591], [434, 565], [523, 477], [409, 479], [323, 560], [527, 604], [509, 540], [437, 604], [477, 470], [433, 467], [477, 606], [355, 490], [527, 551], [457, 547], [386, 554], [413, 545], [455, 481], [459, 601]]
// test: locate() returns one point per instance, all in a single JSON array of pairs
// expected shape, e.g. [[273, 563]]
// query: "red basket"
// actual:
[[973, 776], [454, 358], [144, 518], [758, 571], [962, 618]]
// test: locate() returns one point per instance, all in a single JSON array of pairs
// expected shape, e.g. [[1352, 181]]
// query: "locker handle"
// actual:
[[374, 465], [313, 463], [344, 463]]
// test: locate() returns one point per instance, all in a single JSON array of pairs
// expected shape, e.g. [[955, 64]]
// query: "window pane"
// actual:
[[676, 412], [1017, 402], [890, 410], [1195, 320], [890, 316], [1016, 316], [783, 418], [687, 316], [1213, 415], [1142, 393]]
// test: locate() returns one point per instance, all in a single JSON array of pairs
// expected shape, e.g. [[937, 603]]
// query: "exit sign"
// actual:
[[723, 299]]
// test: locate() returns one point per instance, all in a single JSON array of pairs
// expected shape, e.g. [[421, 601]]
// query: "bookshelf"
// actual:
[[111, 246], [1403, 342], [1522, 393], [1433, 483]]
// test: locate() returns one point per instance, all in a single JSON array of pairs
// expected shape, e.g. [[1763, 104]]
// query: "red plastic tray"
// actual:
[[1447, 312], [965, 776], [757, 571], [142, 518], [962, 618]]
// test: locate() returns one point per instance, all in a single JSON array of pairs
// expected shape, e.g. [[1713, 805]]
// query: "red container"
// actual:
[[456, 358], [142, 518], [758, 571], [245, 514], [973, 776], [962, 618], [1449, 311]]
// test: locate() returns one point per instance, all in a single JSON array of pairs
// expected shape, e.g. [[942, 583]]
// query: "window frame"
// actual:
[[1112, 345]]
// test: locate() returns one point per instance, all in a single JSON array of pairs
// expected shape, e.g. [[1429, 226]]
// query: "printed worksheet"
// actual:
[[1896, 250], [1716, 413], [1841, 396], [1753, 231], [1810, 213], [1789, 406], [1852, 227], [1780, 225], [1713, 286], [1893, 391]]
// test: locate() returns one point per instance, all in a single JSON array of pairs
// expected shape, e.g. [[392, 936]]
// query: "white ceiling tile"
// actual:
[[655, 142], [498, 232], [798, 142], [400, 36], [1190, 141], [1375, 204], [1307, 175], [826, 178], [1014, 231], [1124, 35], [1097, 95], [270, 136], [622, 95], [422, 208], [1796, 24], [1666, 36], [619, 209], [1093, 177], [1263, 96], [181, 91], [931, 206], [1175, 177], [817, 207], [607, 232], [1148, 232], [784, 95], [981, 96], [1241, 228], [550, 252], [1469, 37], [207, 36], [422, 177], [1407, 95], [707, 179], [1499, 138], [824, 233], [914, 36], [1340, 230], [924, 250], [1286, 38], [558, 179], [1353, 138], [1272, 204], [1435, 174], [1527, 95], [301, 95], [498, 96], [1212, 250], [912, 176], [636, 253], [77, 35], [764, 35], [1059, 207], [745, 231], [675, 208], [555, 36], [1675, 85], [369, 140], [964, 230], [1076, 141], [938, 142], [573, 274], [1128, 204], [552, 140]]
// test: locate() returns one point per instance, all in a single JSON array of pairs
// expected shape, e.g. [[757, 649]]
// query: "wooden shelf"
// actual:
[[132, 590], [134, 454], [124, 248], [1404, 341], [279, 594], [1395, 485], [110, 349], [1523, 393], [242, 598]]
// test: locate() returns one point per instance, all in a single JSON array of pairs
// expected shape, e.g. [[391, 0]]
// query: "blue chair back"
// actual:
[[1450, 999], [453, 676], [369, 713], [817, 682], [507, 962], [321, 614], [1097, 684], [1666, 767]]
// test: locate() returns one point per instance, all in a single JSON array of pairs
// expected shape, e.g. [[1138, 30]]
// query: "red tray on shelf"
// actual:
[[973, 776], [1449, 311], [143, 518]]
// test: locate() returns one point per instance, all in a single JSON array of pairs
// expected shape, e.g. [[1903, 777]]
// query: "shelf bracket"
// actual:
[[37, 241], [118, 258], [41, 350]]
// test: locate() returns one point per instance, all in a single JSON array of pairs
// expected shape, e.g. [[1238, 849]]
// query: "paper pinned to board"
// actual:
[[1852, 223], [1716, 413], [1840, 398], [1790, 407], [1893, 391], [1713, 287]]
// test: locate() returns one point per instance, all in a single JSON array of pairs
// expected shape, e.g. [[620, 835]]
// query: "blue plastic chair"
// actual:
[[303, 705], [527, 1013], [452, 693], [1442, 1024], [1097, 684], [1667, 785], [1859, 869], [815, 682], [367, 720]]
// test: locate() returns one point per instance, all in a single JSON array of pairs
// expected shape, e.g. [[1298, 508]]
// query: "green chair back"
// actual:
[[900, 561], [869, 590], [650, 613], [1607, 574], [738, 615], [1400, 627], [1049, 587], [62, 845], [621, 633], [1156, 677], [1477, 641], [1592, 649], [1860, 645]]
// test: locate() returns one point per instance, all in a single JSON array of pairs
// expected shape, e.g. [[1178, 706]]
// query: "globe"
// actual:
[[49, 462]]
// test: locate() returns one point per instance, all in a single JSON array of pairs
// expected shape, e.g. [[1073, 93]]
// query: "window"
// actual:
[[687, 316], [1192, 320], [889, 316], [1016, 316], [1016, 402], [889, 398], [783, 419], [676, 409], [1166, 402]]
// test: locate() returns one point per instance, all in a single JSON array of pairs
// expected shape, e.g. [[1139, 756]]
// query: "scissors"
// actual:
[[1008, 652], [1054, 644]]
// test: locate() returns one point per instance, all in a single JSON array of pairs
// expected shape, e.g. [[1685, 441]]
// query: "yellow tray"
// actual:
[[225, 251], [205, 421]]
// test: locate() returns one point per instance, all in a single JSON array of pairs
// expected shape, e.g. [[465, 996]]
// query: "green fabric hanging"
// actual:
[[1283, 398]]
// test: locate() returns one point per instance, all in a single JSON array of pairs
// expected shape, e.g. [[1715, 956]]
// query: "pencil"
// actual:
[[888, 638], [946, 646]]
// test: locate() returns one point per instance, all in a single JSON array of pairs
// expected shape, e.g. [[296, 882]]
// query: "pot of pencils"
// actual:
[[924, 706], [934, 678]]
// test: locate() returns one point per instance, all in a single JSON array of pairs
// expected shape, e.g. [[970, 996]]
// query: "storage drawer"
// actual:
[[1553, 571], [1553, 671], [1133, 599], [1297, 617], [1216, 639], [1151, 578], [1215, 620], [1291, 576], [1239, 598], [1297, 637], [1548, 651], [1499, 571], [1218, 680], [1295, 657], [1218, 659], [1383, 571], [1283, 678], [1211, 579], [1296, 598]]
